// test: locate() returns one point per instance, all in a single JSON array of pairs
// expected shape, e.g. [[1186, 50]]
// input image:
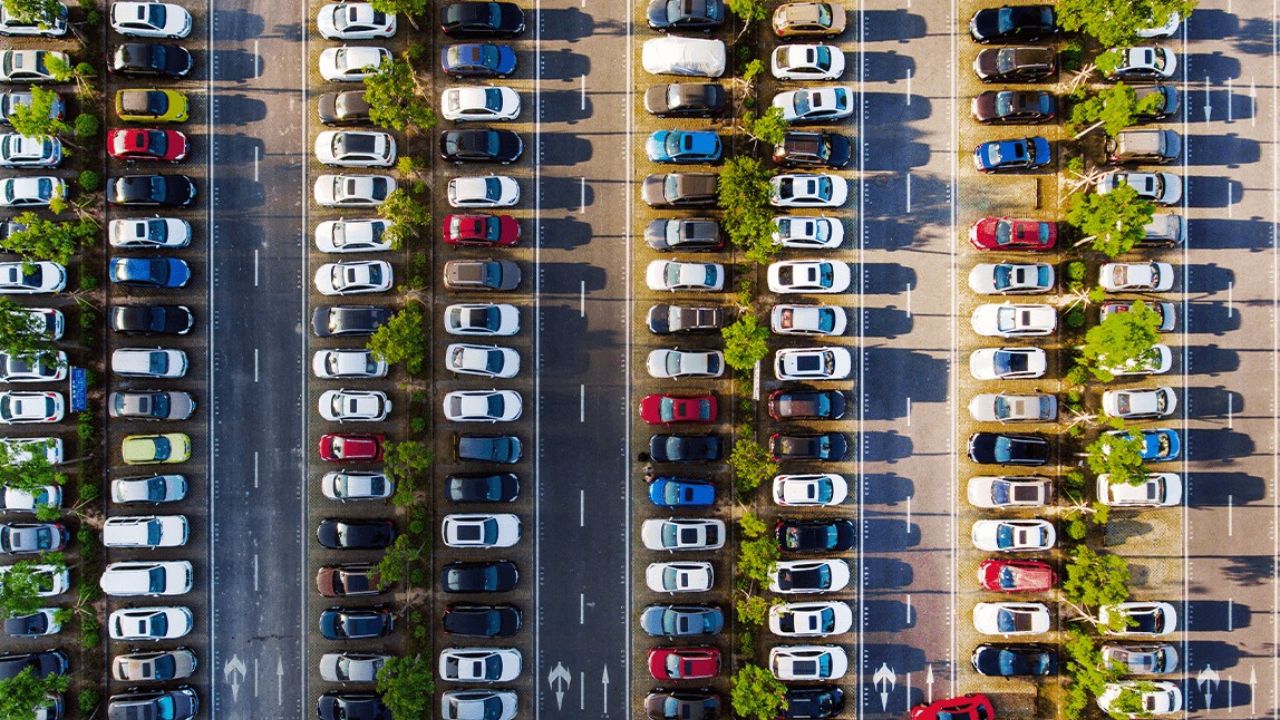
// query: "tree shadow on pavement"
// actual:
[[1216, 616], [1123, 529], [882, 535], [885, 573], [886, 489], [1255, 37], [1250, 569], [1213, 489]]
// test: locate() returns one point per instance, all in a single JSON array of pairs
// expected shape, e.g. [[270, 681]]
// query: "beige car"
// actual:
[[809, 19]]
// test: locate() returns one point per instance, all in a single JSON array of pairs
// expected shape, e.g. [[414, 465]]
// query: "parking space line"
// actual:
[[257, 156], [255, 364], [582, 298], [908, 397], [255, 468], [255, 268], [582, 403], [582, 508], [255, 589], [953, 355], [907, 193]]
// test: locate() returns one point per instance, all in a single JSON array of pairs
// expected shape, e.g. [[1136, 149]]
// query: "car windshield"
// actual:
[[493, 274], [1004, 103], [1002, 449], [155, 14], [155, 580], [1008, 621], [1004, 536], [492, 189], [1004, 20], [820, 57], [1000, 489], [1005, 60], [493, 99], [671, 577], [155, 489], [672, 493], [824, 187], [824, 15], [159, 625], [158, 363], [803, 101]]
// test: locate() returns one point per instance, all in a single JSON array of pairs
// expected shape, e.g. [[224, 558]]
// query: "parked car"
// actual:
[[1144, 62], [1153, 698], [666, 409], [816, 447], [808, 663], [150, 272], [482, 360], [1138, 619], [686, 100], [33, 368], [154, 232], [482, 620], [362, 235], [807, 536], [149, 579], [29, 66], [1009, 491], [1010, 407], [341, 191], [814, 19], [339, 623], [684, 235], [690, 57], [151, 60], [815, 104], [678, 492], [999, 575], [1157, 490], [685, 448], [1009, 320], [813, 490], [53, 24], [352, 63], [1140, 404], [1014, 106], [354, 277], [150, 20], [807, 232], [1017, 154], [704, 15], [1015, 64], [482, 20], [818, 320], [806, 190], [987, 448], [348, 320], [665, 319], [809, 576], [684, 146], [1136, 277], [348, 580], [478, 60], [1164, 310], [676, 364], [149, 489], [163, 449], [1006, 234], [479, 577], [145, 531], [482, 405], [817, 363], [338, 534], [41, 664], [348, 107], [809, 277], [1017, 660], [1025, 23], [151, 405], [483, 191], [662, 704], [813, 149], [27, 191], [151, 191], [1007, 363], [1011, 278], [151, 106], [351, 667], [807, 62], [480, 530], [354, 21], [20, 151], [131, 144], [822, 618], [679, 577], [338, 705], [1141, 659], [683, 534], [150, 623], [1013, 535], [974, 706], [680, 190], [1161, 188], [1157, 361], [355, 148], [813, 703], [494, 319], [488, 103], [481, 146], [1011, 618], [154, 666], [25, 500], [674, 621], [339, 447], [342, 364], [27, 538], [480, 275], [803, 404]]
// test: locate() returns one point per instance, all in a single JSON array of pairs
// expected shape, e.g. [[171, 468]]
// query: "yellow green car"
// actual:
[[167, 449], [151, 106]]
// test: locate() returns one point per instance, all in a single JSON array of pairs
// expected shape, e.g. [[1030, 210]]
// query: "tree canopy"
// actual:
[[31, 473], [44, 239], [44, 12], [407, 686], [1119, 455], [746, 342], [757, 694], [1123, 338], [1113, 223], [1093, 580], [396, 101], [25, 693], [1116, 23], [402, 339], [21, 585], [1113, 109], [769, 128], [409, 211], [752, 464], [748, 218], [37, 118]]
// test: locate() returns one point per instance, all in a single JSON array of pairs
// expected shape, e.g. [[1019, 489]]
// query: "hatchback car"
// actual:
[[478, 60], [479, 577], [151, 106], [686, 100], [1013, 535], [988, 448], [151, 191], [814, 19], [480, 230], [684, 663], [1016, 64], [151, 60], [1011, 278], [1013, 24], [132, 144], [166, 448], [29, 66], [352, 63], [337, 534], [341, 191], [151, 405], [808, 320], [819, 363], [1019, 154]]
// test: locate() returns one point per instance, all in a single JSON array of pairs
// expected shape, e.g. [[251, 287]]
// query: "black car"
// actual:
[[1165, 105], [1028, 660], [482, 620], [682, 705], [680, 189], [28, 626], [9, 227], [1013, 24], [827, 447], [355, 534], [685, 100], [482, 20], [151, 60], [815, 535], [989, 448], [485, 488], [685, 448], [152, 319], [1016, 64], [180, 703], [475, 577], [481, 146], [151, 190], [684, 234], [505, 449], [813, 149], [343, 108], [338, 623], [339, 705], [806, 405], [348, 320], [1014, 106], [704, 15], [813, 703], [42, 664], [667, 319]]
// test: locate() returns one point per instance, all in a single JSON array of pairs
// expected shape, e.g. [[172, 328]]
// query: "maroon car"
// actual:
[[1006, 233], [352, 579], [664, 409], [337, 447], [481, 230], [1014, 106]]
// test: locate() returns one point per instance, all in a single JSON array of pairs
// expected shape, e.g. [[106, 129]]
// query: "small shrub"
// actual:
[[87, 127], [1075, 318], [1076, 270], [88, 282], [88, 491], [88, 698], [418, 425], [746, 642], [89, 181]]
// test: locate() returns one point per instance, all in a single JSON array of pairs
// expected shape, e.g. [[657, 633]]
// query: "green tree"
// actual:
[[396, 99], [43, 239], [404, 561], [21, 585], [406, 462], [1123, 339], [402, 339], [36, 119], [1093, 580], [1128, 703], [1088, 674], [1113, 109], [1115, 23], [1120, 455], [23, 694], [748, 219], [408, 8], [769, 128], [751, 609], [1113, 222], [751, 525], [757, 559], [757, 694], [746, 342], [28, 473], [407, 686], [44, 12], [752, 464], [409, 211], [749, 11]]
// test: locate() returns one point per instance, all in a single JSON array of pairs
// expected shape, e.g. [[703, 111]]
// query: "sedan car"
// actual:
[[664, 319], [150, 20], [353, 236], [354, 277], [686, 100], [673, 275], [483, 191], [348, 320], [32, 538], [790, 277], [1145, 62], [684, 146], [685, 448], [1136, 277], [480, 230], [674, 621], [33, 368], [1009, 407], [151, 191], [665, 409], [1011, 278], [1015, 660], [806, 536], [819, 363], [482, 20], [481, 146], [355, 148], [820, 490], [806, 404], [338, 705], [684, 663], [1007, 234], [29, 500], [27, 191], [356, 485], [479, 103], [704, 15], [683, 534], [482, 360], [145, 531], [814, 19], [41, 623], [354, 405], [163, 449], [482, 406], [479, 665], [1013, 535], [1147, 698], [130, 144], [808, 232], [1009, 491], [151, 106], [154, 666], [352, 63], [680, 189], [51, 22], [808, 320], [1007, 363], [998, 575], [354, 21], [791, 577], [1014, 106], [974, 706], [149, 579], [336, 534], [481, 530], [482, 488], [1143, 659], [339, 447], [479, 577], [801, 190], [1140, 404], [151, 272], [1012, 24], [1138, 619], [815, 105], [29, 66], [342, 191], [478, 60], [1011, 618], [1021, 154], [808, 663], [150, 623], [151, 60], [679, 577], [1016, 64], [349, 107], [1156, 490], [20, 151], [480, 275], [684, 234], [817, 447], [1161, 188], [471, 704], [810, 619], [154, 232], [807, 62], [338, 623], [987, 448], [149, 489], [482, 319], [151, 405], [351, 667], [340, 364], [482, 620], [503, 449], [142, 362]]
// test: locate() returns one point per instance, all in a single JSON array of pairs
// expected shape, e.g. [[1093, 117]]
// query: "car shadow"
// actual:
[[1252, 234], [882, 25], [900, 373], [886, 488], [1212, 191], [883, 322], [1212, 24], [238, 108], [562, 193], [879, 573], [1208, 279], [563, 149], [566, 106], [886, 278], [1249, 570], [563, 64], [1216, 616], [882, 535], [1218, 444], [564, 233], [571, 25], [1213, 403], [1212, 318], [241, 24], [1220, 489], [1228, 150], [886, 66], [1211, 360], [893, 109], [566, 278], [1217, 66], [888, 616]]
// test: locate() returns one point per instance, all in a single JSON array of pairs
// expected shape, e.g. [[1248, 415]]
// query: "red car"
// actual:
[[1016, 576], [340, 447], [992, 233], [481, 230], [146, 144], [974, 706], [663, 409], [690, 663]]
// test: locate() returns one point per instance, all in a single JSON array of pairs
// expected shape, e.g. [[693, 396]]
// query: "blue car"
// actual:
[[157, 272], [674, 492], [1158, 444], [478, 60], [684, 146], [1025, 154], [681, 620]]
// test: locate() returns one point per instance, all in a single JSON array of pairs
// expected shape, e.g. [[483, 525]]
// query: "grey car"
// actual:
[[684, 234], [151, 405], [154, 666], [496, 275], [685, 100], [680, 189]]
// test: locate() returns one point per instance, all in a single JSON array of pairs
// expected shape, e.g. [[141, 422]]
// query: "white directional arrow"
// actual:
[[1208, 109], [1253, 691], [559, 679], [280, 680], [604, 682], [928, 680], [233, 672], [1207, 679], [885, 679]]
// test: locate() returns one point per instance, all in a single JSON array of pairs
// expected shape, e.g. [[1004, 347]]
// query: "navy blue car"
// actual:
[[1024, 154], [681, 620], [160, 272], [1015, 660], [684, 146], [478, 60], [674, 492], [1158, 444]]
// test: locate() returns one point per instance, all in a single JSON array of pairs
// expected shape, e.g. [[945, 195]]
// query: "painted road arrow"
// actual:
[[559, 679], [1207, 679], [604, 682], [884, 679], [233, 672]]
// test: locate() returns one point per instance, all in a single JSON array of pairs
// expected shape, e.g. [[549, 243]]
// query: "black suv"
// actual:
[[151, 190], [1016, 64], [813, 149], [486, 488], [505, 449], [482, 620], [152, 319], [475, 577], [146, 60], [685, 100], [1012, 24], [481, 146]]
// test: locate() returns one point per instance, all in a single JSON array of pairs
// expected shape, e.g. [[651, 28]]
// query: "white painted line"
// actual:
[[255, 669], [908, 623], [909, 288], [255, 586], [280, 680], [582, 298], [257, 155], [908, 411], [1208, 108], [1231, 515], [1253, 103], [582, 608], [908, 193], [582, 691], [582, 403], [582, 508], [909, 513], [1231, 411], [1231, 306], [908, 707], [255, 468], [1231, 200], [255, 268], [582, 195], [257, 67], [1231, 610], [910, 73], [1230, 91], [255, 364], [582, 102]]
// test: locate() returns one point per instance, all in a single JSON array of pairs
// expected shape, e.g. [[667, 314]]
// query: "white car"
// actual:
[[486, 319], [23, 450], [352, 236], [820, 363], [689, 57], [1155, 697], [802, 577], [354, 21], [1158, 361], [33, 368], [352, 64], [480, 103], [1157, 490], [150, 20], [339, 364], [812, 663], [1169, 27], [145, 531], [483, 191], [145, 362], [1008, 320], [35, 191], [154, 232], [1140, 404], [346, 485], [675, 364], [29, 66], [1161, 188], [1145, 62], [481, 530], [20, 151], [484, 665], [351, 667], [672, 275], [822, 490], [354, 405], [1141, 659], [1011, 618], [483, 360], [1013, 535], [808, 232], [806, 190], [1008, 363], [150, 623], [1011, 407], [20, 278], [820, 618], [807, 62], [678, 577], [151, 489], [1141, 619], [683, 534], [482, 405], [1011, 278], [1009, 491], [13, 25], [18, 500], [20, 407], [808, 320], [150, 579], [354, 277], [1136, 276], [50, 580], [815, 105], [474, 704], [792, 277], [353, 190], [356, 148]]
